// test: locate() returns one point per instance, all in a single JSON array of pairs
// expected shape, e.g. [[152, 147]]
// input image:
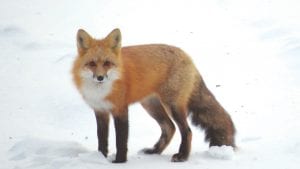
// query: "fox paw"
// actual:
[[119, 161], [179, 157], [150, 151]]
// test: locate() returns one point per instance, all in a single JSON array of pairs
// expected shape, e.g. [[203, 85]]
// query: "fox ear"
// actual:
[[114, 39], [83, 40]]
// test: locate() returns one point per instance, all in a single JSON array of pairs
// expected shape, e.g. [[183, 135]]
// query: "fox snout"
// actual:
[[92, 76], [99, 78]]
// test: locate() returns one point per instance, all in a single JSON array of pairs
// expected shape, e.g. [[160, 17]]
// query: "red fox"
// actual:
[[162, 78]]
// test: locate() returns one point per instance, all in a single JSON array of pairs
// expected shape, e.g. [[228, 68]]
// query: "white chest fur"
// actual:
[[94, 93]]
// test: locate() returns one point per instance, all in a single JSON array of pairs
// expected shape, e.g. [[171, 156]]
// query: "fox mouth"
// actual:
[[99, 82]]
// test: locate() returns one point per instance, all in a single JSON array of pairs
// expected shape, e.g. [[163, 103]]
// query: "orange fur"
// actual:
[[144, 69]]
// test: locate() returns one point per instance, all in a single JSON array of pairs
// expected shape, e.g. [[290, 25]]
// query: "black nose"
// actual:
[[100, 78]]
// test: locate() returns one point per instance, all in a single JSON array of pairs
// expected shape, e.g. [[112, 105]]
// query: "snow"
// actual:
[[39, 153], [221, 152], [247, 51]]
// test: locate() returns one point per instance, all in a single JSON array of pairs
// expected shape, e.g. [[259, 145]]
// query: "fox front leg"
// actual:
[[121, 127], [102, 132]]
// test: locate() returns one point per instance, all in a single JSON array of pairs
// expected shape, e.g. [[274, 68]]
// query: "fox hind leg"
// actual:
[[174, 95], [180, 117], [154, 107]]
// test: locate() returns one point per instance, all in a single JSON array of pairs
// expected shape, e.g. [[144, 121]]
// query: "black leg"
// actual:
[[102, 132], [186, 135], [121, 127]]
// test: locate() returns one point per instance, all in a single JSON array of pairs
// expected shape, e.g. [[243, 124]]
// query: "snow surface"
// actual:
[[247, 51]]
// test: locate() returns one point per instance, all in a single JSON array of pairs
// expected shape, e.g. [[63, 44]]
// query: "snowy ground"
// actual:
[[247, 51]]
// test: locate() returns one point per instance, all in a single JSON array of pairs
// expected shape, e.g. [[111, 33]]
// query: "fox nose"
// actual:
[[100, 78]]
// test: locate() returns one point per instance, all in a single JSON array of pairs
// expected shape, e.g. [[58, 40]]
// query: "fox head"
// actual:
[[98, 60]]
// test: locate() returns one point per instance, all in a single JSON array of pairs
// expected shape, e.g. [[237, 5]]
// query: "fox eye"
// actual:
[[107, 64], [92, 64]]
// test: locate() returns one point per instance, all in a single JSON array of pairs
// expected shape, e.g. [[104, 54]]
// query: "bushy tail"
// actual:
[[207, 113]]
